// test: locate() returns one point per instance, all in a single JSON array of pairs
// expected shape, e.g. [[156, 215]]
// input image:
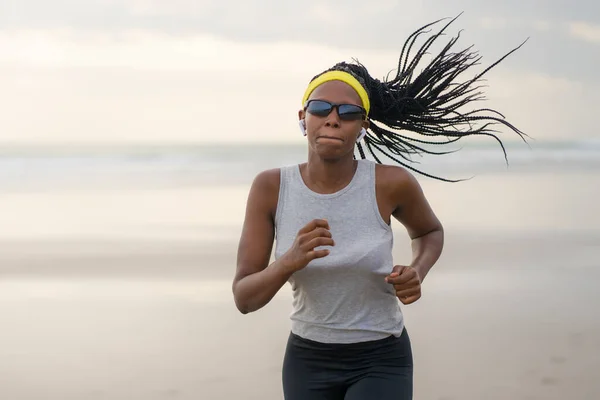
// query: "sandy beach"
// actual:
[[124, 293], [515, 319]]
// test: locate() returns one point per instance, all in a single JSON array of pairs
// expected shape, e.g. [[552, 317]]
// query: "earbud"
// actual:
[[363, 132], [302, 127]]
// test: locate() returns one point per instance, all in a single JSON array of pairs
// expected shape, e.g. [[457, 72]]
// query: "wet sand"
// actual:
[[502, 316]]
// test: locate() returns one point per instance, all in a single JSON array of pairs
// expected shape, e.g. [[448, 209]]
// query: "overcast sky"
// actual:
[[182, 70]]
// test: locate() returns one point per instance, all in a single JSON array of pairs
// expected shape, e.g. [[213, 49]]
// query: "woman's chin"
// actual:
[[331, 152]]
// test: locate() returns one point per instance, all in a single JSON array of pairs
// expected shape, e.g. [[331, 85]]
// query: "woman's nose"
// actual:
[[333, 119]]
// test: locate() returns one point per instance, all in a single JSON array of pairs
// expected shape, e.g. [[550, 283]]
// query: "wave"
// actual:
[[231, 164]]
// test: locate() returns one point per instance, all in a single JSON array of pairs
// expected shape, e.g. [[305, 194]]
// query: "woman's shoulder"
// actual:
[[396, 182], [264, 191], [393, 175], [267, 180]]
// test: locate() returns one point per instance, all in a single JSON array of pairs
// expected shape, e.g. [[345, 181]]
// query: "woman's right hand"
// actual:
[[314, 234]]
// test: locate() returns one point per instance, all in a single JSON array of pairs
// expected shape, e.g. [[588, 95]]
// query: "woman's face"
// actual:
[[330, 136]]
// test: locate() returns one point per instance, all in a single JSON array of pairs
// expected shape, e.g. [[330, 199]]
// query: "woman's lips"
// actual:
[[330, 138]]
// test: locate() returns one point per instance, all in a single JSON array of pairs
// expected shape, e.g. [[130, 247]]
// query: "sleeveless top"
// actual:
[[342, 297]]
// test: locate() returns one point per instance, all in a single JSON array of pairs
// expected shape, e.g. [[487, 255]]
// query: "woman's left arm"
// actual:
[[414, 212]]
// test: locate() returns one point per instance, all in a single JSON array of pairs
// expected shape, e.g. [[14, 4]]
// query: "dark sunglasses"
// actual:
[[347, 112]]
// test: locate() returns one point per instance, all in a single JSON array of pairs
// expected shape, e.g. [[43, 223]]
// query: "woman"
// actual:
[[331, 219]]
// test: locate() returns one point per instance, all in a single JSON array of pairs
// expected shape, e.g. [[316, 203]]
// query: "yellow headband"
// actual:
[[339, 76]]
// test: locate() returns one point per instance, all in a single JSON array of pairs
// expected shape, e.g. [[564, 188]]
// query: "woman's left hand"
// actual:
[[407, 283]]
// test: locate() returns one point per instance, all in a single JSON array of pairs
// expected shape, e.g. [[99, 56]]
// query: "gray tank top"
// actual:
[[343, 297]]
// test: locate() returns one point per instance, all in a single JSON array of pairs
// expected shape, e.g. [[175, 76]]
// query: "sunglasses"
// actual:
[[347, 112]]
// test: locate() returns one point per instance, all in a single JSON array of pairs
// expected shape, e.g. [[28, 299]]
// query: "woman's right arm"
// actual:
[[256, 282]]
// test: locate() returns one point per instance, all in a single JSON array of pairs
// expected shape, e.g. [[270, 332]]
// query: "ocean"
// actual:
[[37, 167], [199, 191]]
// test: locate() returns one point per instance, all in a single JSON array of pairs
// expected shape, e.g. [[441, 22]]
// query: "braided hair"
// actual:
[[427, 105]]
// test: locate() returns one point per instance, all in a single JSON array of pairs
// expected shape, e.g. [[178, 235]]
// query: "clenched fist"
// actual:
[[314, 234], [407, 283]]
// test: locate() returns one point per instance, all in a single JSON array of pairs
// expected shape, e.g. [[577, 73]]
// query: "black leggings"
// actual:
[[381, 369]]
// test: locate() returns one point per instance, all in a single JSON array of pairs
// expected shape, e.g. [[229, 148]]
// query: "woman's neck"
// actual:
[[324, 176]]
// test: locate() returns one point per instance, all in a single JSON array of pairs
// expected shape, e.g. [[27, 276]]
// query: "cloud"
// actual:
[[157, 8], [147, 50], [493, 23], [542, 25], [585, 31], [266, 20], [544, 106], [183, 70], [150, 87], [357, 23], [504, 23], [349, 24]]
